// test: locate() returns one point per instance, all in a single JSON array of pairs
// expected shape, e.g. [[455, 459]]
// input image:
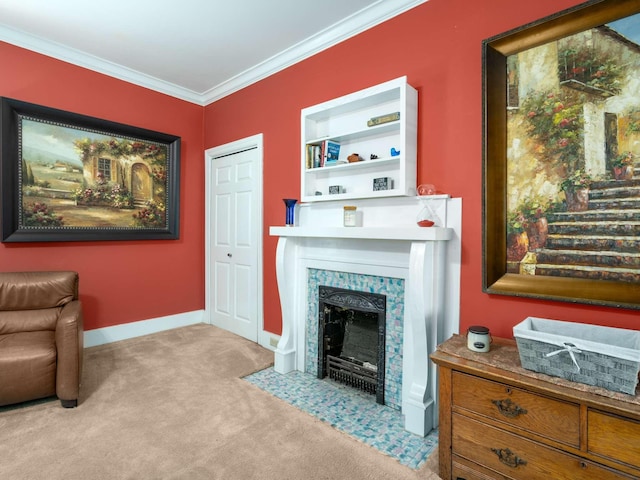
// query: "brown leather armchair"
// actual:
[[41, 337]]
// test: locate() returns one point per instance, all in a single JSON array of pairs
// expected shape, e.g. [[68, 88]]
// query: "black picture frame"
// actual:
[[497, 277], [70, 177]]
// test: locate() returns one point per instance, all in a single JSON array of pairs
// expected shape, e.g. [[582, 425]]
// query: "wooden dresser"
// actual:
[[500, 421]]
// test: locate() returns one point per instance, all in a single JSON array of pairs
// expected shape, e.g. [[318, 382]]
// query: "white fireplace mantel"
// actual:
[[366, 233], [390, 244]]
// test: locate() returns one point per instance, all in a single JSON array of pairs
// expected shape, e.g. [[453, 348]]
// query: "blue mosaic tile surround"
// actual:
[[393, 289], [351, 411]]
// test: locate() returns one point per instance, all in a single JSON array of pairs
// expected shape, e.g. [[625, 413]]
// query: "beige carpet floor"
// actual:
[[173, 405]]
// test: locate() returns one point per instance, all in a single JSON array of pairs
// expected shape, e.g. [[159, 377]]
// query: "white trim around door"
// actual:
[[210, 155]]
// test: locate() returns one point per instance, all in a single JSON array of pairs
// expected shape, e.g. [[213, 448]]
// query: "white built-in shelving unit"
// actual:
[[344, 120]]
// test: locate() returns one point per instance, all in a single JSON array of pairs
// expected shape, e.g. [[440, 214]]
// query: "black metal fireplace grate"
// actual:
[[353, 373]]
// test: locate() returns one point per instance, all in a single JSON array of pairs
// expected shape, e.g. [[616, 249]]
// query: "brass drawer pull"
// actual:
[[507, 457], [508, 408]]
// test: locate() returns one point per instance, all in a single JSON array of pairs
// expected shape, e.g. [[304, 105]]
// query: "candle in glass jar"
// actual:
[[349, 216]]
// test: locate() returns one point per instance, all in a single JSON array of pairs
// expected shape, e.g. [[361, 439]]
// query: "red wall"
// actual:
[[438, 46], [120, 282]]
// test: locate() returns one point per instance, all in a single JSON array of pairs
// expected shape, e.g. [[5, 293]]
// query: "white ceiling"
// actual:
[[197, 50]]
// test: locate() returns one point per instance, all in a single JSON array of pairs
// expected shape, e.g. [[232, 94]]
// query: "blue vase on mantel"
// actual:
[[290, 204]]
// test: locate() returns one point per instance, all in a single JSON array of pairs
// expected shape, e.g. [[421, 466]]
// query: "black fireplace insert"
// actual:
[[351, 338]]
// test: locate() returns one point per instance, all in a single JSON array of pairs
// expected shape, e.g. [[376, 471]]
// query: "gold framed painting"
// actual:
[[561, 157]]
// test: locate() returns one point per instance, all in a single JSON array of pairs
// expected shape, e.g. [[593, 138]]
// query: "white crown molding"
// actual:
[[91, 62], [353, 25], [364, 19]]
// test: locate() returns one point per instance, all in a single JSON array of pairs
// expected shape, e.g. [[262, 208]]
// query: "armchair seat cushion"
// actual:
[[27, 366]]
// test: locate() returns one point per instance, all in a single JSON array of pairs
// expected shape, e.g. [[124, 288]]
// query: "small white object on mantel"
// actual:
[[389, 244]]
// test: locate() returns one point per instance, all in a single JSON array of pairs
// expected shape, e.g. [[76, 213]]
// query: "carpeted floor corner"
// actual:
[[174, 405]]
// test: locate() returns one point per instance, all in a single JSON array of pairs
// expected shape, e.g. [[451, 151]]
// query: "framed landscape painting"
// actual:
[[70, 177], [561, 171]]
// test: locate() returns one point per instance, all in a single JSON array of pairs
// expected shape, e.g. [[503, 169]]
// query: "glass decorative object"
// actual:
[[426, 189], [290, 204], [426, 216], [434, 207]]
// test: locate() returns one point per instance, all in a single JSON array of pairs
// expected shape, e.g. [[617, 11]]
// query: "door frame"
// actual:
[[255, 141]]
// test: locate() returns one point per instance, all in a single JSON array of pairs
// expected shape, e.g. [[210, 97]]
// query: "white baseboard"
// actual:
[[268, 340], [100, 336]]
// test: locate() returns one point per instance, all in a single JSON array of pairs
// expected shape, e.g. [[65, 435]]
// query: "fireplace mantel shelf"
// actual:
[[371, 233]]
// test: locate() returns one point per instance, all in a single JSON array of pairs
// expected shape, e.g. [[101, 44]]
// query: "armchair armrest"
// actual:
[[70, 346]]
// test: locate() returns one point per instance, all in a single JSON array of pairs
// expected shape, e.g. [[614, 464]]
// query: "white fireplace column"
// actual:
[[285, 355], [424, 316], [426, 258]]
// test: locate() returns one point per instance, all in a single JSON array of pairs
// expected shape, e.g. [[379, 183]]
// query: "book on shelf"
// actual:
[[308, 156], [331, 150], [325, 153], [317, 156]]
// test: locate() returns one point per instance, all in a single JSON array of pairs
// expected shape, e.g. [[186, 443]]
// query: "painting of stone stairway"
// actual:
[[562, 160], [601, 242]]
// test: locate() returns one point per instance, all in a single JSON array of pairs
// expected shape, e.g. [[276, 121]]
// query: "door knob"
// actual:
[[229, 255]]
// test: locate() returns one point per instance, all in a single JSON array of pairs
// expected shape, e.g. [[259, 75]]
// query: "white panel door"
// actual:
[[235, 242]]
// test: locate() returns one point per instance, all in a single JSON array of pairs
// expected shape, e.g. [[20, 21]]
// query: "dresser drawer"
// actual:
[[614, 437], [550, 418], [463, 469], [519, 458]]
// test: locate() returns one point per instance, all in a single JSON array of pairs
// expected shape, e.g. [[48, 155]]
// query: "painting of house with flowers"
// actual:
[[77, 178], [573, 156]]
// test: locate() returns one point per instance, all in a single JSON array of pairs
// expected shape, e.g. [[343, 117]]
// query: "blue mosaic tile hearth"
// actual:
[[351, 411], [393, 290]]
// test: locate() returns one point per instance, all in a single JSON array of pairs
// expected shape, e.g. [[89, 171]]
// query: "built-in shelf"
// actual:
[[355, 165], [360, 133], [344, 120]]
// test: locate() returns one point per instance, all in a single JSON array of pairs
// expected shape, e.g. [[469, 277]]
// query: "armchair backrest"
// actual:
[[32, 301], [35, 290]]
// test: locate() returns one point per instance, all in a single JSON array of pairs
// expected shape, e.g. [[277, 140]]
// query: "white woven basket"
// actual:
[[602, 356]]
